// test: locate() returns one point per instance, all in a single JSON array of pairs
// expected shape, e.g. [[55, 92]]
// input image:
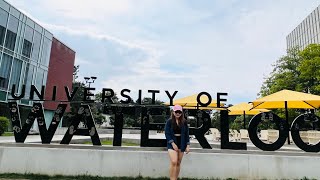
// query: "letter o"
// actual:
[[295, 128], [281, 125], [199, 99]]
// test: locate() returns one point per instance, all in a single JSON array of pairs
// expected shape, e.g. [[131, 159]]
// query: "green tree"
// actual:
[[98, 97], [285, 74], [310, 68], [4, 123], [95, 107], [298, 71]]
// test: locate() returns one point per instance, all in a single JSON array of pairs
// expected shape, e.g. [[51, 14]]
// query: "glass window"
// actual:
[[38, 28], [311, 31], [312, 18], [39, 78], [28, 33], [27, 45], [19, 40], [10, 40], [14, 12], [2, 33], [11, 33], [3, 18], [45, 75], [15, 74], [13, 24], [5, 70], [27, 42], [316, 14], [48, 34], [46, 52], [3, 24], [4, 5], [36, 46], [30, 22], [315, 29], [28, 77]]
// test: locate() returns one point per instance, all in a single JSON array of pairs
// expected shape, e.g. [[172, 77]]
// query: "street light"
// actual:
[[93, 78]]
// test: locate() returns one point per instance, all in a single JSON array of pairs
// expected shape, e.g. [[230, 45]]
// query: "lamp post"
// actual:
[[87, 79]]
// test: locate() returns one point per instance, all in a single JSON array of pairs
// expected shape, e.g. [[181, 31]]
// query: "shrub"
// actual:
[[4, 123]]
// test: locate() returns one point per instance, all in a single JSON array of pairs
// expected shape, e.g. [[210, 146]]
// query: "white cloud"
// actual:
[[221, 46]]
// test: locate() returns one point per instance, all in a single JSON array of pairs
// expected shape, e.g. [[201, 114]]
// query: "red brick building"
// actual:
[[60, 73]]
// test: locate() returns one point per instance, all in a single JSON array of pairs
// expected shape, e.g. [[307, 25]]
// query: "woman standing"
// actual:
[[178, 142]]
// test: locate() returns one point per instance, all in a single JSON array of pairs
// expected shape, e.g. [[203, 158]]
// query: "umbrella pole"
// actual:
[[287, 118], [244, 119], [197, 119]]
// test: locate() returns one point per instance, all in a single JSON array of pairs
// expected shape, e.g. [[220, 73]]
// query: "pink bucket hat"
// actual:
[[177, 108]]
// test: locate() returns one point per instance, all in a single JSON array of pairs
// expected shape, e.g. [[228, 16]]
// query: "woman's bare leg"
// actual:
[[180, 156], [173, 163]]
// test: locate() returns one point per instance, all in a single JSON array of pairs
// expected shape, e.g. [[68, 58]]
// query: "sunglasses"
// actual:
[[178, 112]]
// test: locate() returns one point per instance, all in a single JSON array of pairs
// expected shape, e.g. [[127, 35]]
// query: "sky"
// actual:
[[186, 46]]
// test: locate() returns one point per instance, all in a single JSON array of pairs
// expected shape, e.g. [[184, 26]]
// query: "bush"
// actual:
[[4, 123]]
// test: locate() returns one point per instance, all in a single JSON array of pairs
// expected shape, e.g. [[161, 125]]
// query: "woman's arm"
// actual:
[[187, 134], [167, 132]]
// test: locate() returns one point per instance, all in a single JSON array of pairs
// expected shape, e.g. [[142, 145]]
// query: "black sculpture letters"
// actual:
[[281, 125], [302, 122], [21, 133]]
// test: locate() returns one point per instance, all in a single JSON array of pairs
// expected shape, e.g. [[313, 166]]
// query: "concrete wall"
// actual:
[[110, 161]]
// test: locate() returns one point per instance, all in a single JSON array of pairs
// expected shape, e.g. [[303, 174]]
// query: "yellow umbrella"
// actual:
[[191, 101], [293, 99], [244, 109], [288, 99]]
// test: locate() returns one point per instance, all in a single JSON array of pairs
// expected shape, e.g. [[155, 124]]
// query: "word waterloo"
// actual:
[[119, 110]]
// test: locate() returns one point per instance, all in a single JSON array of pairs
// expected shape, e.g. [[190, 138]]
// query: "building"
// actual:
[[31, 55], [307, 32]]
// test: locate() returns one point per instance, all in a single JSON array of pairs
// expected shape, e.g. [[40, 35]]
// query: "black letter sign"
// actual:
[[21, 134], [298, 124], [281, 125], [84, 113]]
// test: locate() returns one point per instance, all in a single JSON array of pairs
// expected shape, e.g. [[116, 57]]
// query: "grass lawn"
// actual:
[[42, 177], [7, 134], [110, 142], [9, 176]]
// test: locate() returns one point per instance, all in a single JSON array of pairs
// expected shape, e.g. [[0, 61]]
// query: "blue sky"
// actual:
[[188, 46]]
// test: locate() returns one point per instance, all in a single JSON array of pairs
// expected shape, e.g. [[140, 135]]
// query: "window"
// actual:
[[4, 5], [10, 40], [27, 42], [3, 24], [36, 45], [28, 78], [39, 78], [11, 33], [26, 51], [15, 74], [14, 12], [5, 69], [46, 51], [30, 22]]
